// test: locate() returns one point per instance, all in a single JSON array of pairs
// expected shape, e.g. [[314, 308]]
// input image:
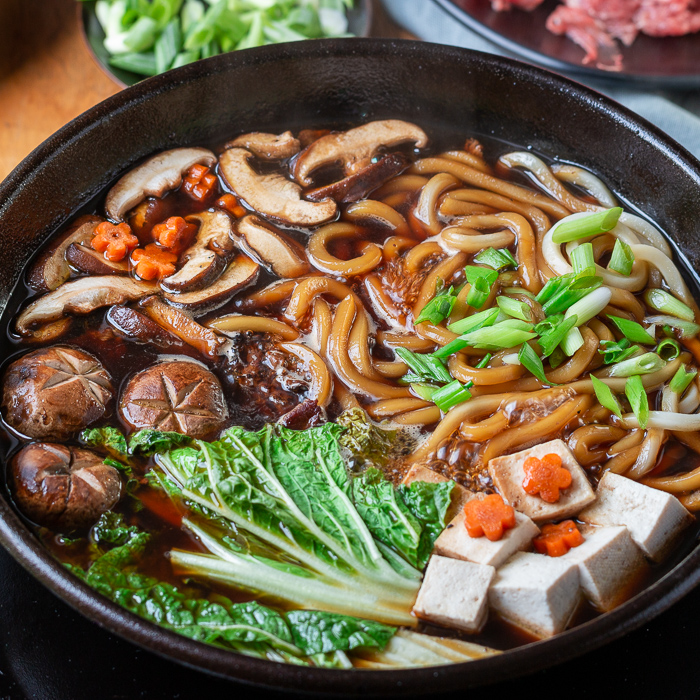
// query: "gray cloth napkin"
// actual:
[[676, 113]]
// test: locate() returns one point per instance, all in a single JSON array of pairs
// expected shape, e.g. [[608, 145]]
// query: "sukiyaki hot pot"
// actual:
[[372, 360]]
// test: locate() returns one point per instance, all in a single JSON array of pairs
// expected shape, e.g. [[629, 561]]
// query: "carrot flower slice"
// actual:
[[545, 477], [114, 241], [489, 517], [153, 262], [174, 233], [199, 182], [557, 539]]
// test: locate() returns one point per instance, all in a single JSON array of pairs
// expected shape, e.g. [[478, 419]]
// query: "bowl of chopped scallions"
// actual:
[[136, 39]]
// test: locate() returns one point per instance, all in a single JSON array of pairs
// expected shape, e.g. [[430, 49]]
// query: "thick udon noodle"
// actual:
[[435, 218]]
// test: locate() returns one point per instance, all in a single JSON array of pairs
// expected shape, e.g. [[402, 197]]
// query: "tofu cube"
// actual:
[[455, 542], [654, 518], [610, 565], [508, 475], [536, 592], [455, 594], [460, 495]]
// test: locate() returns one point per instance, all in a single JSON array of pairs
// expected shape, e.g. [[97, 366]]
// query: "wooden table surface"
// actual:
[[48, 75]]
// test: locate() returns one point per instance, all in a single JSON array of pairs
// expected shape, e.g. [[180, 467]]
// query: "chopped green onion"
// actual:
[[484, 361], [185, 57], [511, 359], [471, 323], [424, 391], [141, 63], [643, 364], [550, 339], [662, 301], [498, 337], [478, 293], [578, 287], [605, 396], [582, 258], [497, 259], [438, 308], [450, 395], [622, 258], [617, 350], [423, 367], [573, 340], [668, 332], [517, 324], [168, 45], [557, 357], [574, 227], [473, 273], [686, 328], [590, 306], [553, 285], [668, 349], [681, 380], [634, 389], [548, 324], [532, 363], [633, 331], [515, 308]]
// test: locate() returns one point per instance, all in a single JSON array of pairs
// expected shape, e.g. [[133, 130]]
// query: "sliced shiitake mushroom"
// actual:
[[267, 146], [206, 258], [355, 148], [139, 327], [61, 487], [92, 262], [277, 251], [81, 296], [358, 185], [204, 340], [241, 272], [51, 268], [272, 195], [155, 177]]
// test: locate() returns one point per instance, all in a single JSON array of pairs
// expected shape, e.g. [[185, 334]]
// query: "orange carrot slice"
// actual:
[[546, 477], [489, 517]]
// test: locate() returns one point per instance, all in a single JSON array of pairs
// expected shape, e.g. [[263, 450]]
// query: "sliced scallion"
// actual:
[[516, 323], [471, 323], [661, 300], [605, 396], [514, 308], [424, 391], [617, 350], [636, 395], [511, 359], [574, 227], [577, 288], [497, 259], [686, 328], [582, 258], [141, 63], [473, 273], [590, 306], [423, 367], [622, 258], [532, 363], [438, 308], [573, 340], [633, 331], [478, 293], [550, 339], [668, 349], [484, 361], [557, 357], [643, 364], [553, 285], [498, 337], [450, 395], [682, 379]]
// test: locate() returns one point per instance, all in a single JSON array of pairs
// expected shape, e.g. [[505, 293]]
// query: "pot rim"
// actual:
[[16, 537]]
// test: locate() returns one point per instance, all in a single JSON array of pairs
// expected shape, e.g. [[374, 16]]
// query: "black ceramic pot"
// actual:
[[336, 82]]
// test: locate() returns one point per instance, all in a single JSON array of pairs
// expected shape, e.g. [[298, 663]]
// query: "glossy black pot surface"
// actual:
[[339, 82]]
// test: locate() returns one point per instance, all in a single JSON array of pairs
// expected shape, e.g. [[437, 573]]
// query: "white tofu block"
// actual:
[[460, 495], [654, 518], [536, 592], [508, 476], [609, 564], [454, 593], [455, 542]]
